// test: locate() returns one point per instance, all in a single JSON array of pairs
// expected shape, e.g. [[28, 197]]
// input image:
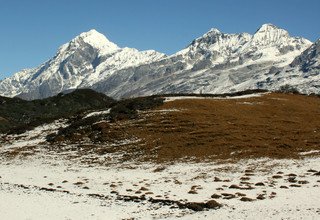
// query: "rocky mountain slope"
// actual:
[[302, 74], [213, 63], [83, 61]]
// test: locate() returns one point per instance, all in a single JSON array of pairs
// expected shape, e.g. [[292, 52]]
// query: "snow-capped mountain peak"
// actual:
[[270, 34], [212, 31], [99, 41], [86, 59], [92, 38], [269, 43], [269, 28]]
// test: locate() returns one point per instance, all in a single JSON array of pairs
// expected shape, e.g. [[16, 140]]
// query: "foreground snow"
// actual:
[[53, 189]]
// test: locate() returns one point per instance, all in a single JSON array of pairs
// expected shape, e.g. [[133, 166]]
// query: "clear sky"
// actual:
[[32, 30]]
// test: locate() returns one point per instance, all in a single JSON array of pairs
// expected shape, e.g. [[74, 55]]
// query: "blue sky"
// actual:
[[32, 30]]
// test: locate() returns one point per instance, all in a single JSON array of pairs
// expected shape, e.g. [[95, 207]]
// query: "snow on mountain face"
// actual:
[[303, 74], [309, 59], [213, 63], [82, 62], [10, 87], [268, 43]]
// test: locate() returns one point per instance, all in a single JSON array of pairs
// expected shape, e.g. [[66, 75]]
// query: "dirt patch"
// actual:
[[280, 126]]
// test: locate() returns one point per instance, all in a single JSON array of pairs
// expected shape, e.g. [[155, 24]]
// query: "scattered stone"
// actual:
[[312, 171], [212, 204], [113, 185], [246, 199], [195, 187], [226, 181], [291, 174], [114, 192], [295, 185], [219, 189], [261, 197], [240, 194], [129, 190], [159, 169], [272, 195], [217, 179], [259, 184], [192, 192], [280, 172], [249, 174], [234, 186], [248, 171], [148, 193], [303, 182], [276, 177], [197, 207], [317, 174], [245, 178], [78, 183], [284, 187], [144, 189], [47, 189], [228, 196], [64, 181], [216, 196], [292, 180], [22, 186], [138, 192], [50, 184], [129, 198], [85, 187]]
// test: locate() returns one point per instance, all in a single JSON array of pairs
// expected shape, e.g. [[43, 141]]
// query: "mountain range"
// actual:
[[213, 63]]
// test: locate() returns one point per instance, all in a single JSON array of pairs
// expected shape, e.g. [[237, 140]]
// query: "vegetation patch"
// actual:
[[20, 115]]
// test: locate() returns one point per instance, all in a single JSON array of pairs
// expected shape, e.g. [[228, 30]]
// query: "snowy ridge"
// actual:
[[268, 43], [213, 63]]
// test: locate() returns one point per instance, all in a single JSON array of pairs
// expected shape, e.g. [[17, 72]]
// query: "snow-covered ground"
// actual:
[[97, 113], [46, 185], [174, 98], [25, 190]]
